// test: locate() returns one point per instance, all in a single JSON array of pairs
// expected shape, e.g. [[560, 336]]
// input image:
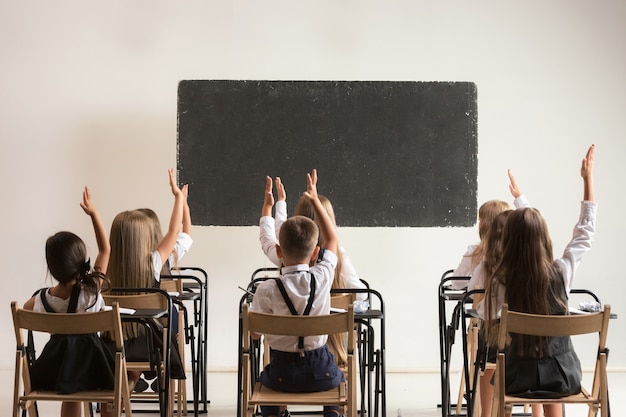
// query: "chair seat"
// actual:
[[93, 396], [265, 395], [582, 397]]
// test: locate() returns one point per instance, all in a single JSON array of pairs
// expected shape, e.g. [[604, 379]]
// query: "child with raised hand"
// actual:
[[345, 273], [532, 281], [135, 263], [62, 365], [486, 215], [183, 239], [298, 251]]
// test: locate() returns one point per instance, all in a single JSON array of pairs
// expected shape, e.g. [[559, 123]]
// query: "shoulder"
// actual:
[[327, 258], [184, 239]]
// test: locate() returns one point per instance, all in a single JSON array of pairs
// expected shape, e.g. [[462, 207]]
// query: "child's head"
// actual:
[[131, 247], [66, 256], [526, 238], [157, 233], [298, 239], [487, 212], [527, 266], [304, 207], [493, 239]]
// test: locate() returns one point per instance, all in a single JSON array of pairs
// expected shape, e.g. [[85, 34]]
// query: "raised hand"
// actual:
[[586, 168], [281, 195], [513, 187], [311, 186], [175, 189], [87, 205]]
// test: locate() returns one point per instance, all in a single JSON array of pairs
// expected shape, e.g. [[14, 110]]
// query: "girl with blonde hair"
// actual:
[[135, 263]]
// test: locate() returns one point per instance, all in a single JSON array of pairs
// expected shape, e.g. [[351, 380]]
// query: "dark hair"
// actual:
[[532, 282], [66, 256]]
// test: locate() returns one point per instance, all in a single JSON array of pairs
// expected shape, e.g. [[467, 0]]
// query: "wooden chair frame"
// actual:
[[344, 395], [153, 299], [68, 323], [552, 325]]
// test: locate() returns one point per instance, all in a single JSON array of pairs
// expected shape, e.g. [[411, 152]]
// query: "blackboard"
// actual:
[[388, 153]]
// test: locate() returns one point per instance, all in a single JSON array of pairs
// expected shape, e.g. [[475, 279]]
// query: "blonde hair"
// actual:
[[157, 237], [304, 207], [336, 342], [486, 215], [130, 263]]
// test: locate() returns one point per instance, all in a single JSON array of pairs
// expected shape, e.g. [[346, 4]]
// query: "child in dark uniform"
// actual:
[[306, 364], [532, 281], [71, 363]]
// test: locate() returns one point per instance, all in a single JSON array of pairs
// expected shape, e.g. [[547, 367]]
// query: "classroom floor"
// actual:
[[409, 395]]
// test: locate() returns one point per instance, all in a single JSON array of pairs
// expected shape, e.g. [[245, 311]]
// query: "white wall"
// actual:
[[89, 97]]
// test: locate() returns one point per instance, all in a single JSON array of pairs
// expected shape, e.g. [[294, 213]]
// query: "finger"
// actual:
[[314, 174], [591, 152]]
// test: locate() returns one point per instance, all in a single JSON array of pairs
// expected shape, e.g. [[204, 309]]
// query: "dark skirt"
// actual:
[[313, 372], [555, 375], [72, 363]]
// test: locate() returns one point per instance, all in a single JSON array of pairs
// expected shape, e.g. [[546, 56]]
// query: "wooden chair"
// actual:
[[64, 323], [472, 352], [174, 285], [152, 299], [344, 395], [541, 325]]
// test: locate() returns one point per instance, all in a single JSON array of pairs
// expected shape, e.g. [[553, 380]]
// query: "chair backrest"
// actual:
[[342, 300], [24, 397], [553, 325], [67, 323], [282, 325], [171, 284], [137, 298]]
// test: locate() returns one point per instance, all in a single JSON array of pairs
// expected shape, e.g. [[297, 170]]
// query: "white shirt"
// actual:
[[60, 305], [183, 243], [466, 267], [580, 244], [268, 233], [296, 280]]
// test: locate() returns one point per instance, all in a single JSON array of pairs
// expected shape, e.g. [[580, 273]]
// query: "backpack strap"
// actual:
[[292, 309]]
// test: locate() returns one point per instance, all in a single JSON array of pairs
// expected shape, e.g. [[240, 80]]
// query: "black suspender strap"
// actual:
[[44, 301], [71, 308], [292, 309]]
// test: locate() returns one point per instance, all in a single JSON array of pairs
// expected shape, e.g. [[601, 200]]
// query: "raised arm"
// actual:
[[327, 227], [280, 209], [268, 199], [519, 199], [267, 234], [186, 212], [104, 247], [169, 239], [586, 171]]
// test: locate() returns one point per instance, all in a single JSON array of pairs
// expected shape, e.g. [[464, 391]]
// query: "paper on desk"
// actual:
[[337, 310], [122, 310], [173, 293]]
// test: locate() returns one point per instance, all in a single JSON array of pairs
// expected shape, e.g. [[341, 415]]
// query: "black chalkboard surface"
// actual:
[[388, 154]]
